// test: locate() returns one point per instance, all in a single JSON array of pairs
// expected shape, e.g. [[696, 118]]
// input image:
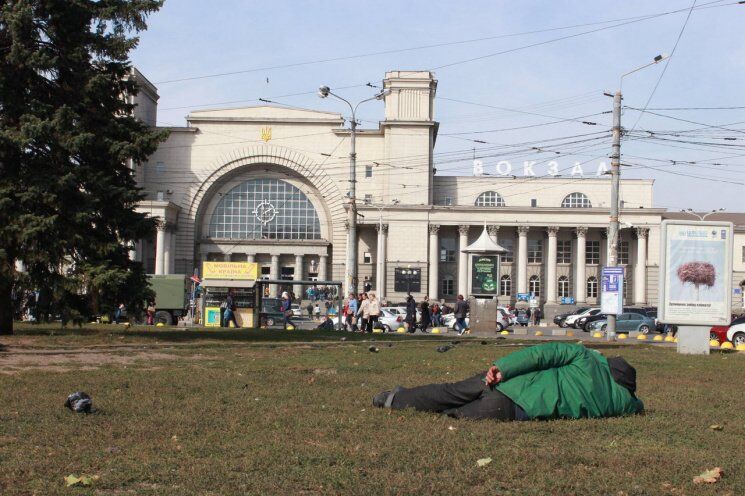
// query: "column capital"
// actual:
[[463, 229], [346, 225], [580, 231], [604, 233], [492, 229], [641, 232], [434, 228], [161, 224], [552, 231], [523, 230], [382, 228]]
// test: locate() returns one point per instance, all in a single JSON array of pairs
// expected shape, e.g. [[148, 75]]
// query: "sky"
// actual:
[[539, 66]]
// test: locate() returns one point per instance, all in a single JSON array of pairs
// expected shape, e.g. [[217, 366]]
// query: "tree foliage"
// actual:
[[68, 141]]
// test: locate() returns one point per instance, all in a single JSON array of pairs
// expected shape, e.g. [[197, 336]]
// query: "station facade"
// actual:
[[270, 184]]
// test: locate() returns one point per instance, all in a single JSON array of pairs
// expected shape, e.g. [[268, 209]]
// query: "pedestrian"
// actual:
[[434, 310], [151, 313], [410, 318], [350, 315], [364, 312], [118, 313], [548, 381], [373, 309], [460, 312], [317, 312], [286, 309], [426, 317], [537, 316], [529, 315], [309, 308], [230, 310]]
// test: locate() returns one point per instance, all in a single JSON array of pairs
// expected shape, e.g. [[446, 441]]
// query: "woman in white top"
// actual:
[[364, 312], [373, 310]]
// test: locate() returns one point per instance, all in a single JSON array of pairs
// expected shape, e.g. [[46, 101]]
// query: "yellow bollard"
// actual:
[[622, 336], [669, 339], [675, 339], [505, 332], [401, 330], [570, 333], [378, 331], [727, 346], [597, 334], [539, 333], [714, 343], [435, 330], [657, 338], [160, 324], [740, 347], [288, 328], [642, 337]]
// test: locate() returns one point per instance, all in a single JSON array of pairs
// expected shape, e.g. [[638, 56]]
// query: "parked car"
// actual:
[[571, 321], [503, 320], [735, 332], [510, 314], [719, 333], [627, 322], [448, 320], [585, 322], [561, 318], [296, 310], [523, 320]]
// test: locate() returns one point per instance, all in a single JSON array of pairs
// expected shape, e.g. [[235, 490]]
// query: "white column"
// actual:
[[380, 260], [640, 269], [167, 252], [580, 284], [274, 274], [298, 276], [160, 243], [522, 259], [463, 260], [552, 231], [323, 262], [434, 261]]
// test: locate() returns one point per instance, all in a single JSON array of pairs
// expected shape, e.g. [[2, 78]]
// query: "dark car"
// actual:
[[561, 318], [271, 312], [522, 318], [586, 322]]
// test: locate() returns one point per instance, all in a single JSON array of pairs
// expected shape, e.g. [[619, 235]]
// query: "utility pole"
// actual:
[[615, 174]]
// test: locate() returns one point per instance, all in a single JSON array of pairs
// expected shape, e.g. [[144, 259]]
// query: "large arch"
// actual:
[[210, 179]]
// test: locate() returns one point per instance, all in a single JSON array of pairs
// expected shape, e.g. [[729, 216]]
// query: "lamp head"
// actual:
[[383, 94], [323, 91]]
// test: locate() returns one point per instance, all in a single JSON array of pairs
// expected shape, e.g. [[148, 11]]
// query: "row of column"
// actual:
[[640, 269]]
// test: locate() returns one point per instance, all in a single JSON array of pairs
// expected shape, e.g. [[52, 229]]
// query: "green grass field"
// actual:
[[232, 412]]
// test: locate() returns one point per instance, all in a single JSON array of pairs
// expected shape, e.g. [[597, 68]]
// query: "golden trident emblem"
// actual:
[[266, 133]]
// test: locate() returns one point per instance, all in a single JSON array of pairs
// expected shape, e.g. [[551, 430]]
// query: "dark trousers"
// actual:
[[370, 324], [470, 398]]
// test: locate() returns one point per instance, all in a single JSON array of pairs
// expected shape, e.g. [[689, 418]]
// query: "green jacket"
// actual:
[[563, 380]]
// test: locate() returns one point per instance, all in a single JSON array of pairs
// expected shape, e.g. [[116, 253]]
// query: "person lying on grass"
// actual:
[[548, 381]]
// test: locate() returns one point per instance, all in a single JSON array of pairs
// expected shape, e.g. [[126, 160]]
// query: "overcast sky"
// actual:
[[531, 86]]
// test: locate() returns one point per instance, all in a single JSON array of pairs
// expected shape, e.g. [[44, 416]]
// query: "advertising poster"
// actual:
[[246, 271], [696, 273], [611, 290], [484, 270]]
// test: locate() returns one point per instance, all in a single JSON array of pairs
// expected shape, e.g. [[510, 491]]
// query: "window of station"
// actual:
[[448, 286], [508, 244], [564, 251], [563, 287], [576, 200], [623, 253], [535, 250], [534, 285], [505, 286], [592, 287], [592, 252], [490, 199]]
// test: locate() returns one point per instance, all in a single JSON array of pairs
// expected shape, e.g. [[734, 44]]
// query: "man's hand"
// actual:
[[493, 376]]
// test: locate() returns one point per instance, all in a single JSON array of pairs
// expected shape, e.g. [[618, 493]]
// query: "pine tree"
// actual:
[[67, 143]]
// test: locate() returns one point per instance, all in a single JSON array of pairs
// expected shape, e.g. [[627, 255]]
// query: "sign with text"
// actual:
[[696, 273], [484, 270], [567, 300], [243, 271], [523, 296], [611, 290]]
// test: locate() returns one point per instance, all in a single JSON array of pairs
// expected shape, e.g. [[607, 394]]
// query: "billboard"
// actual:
[[696, 273], [246, 271], [611, 290], [484, 274]]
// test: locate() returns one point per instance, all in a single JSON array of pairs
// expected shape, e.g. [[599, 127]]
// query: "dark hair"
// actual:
[[623, 373]]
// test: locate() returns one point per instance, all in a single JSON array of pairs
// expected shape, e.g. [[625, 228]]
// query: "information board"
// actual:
[[611, 290], [696, 273], [484, 270]]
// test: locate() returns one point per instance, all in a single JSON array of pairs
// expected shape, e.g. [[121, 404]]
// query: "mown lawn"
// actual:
[[223, 412]]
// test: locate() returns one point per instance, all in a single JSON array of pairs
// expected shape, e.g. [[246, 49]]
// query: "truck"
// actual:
[[171, 297]]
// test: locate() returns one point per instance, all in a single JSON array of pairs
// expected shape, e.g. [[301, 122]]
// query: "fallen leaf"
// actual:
[[709, 477], [716, 427], [71, 480], [482, 462]]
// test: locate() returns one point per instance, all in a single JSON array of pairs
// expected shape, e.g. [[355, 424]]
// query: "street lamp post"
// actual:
[[704, 216], [616, 182], [350, 277]]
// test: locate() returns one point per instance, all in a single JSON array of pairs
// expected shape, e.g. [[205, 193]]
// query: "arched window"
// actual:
[[490, 199], [505, 286], [576, 200], [592, 287], [534, 285], [265, 209], [563, 287]]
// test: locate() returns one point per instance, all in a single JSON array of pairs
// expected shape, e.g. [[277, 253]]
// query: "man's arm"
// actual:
[[540, 357]]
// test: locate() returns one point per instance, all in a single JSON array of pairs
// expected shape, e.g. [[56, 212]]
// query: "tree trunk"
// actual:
[[6, 307]]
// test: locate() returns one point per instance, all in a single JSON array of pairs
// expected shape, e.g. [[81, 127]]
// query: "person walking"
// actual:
[[373, 310], [286, 308], [547, 381], [118, 313], [309, 309], [410, 318], [150, 313], [460, 312], [434, 311], [317, 312], [350, 314], [230, 310], [426, 317], [364, 312]]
